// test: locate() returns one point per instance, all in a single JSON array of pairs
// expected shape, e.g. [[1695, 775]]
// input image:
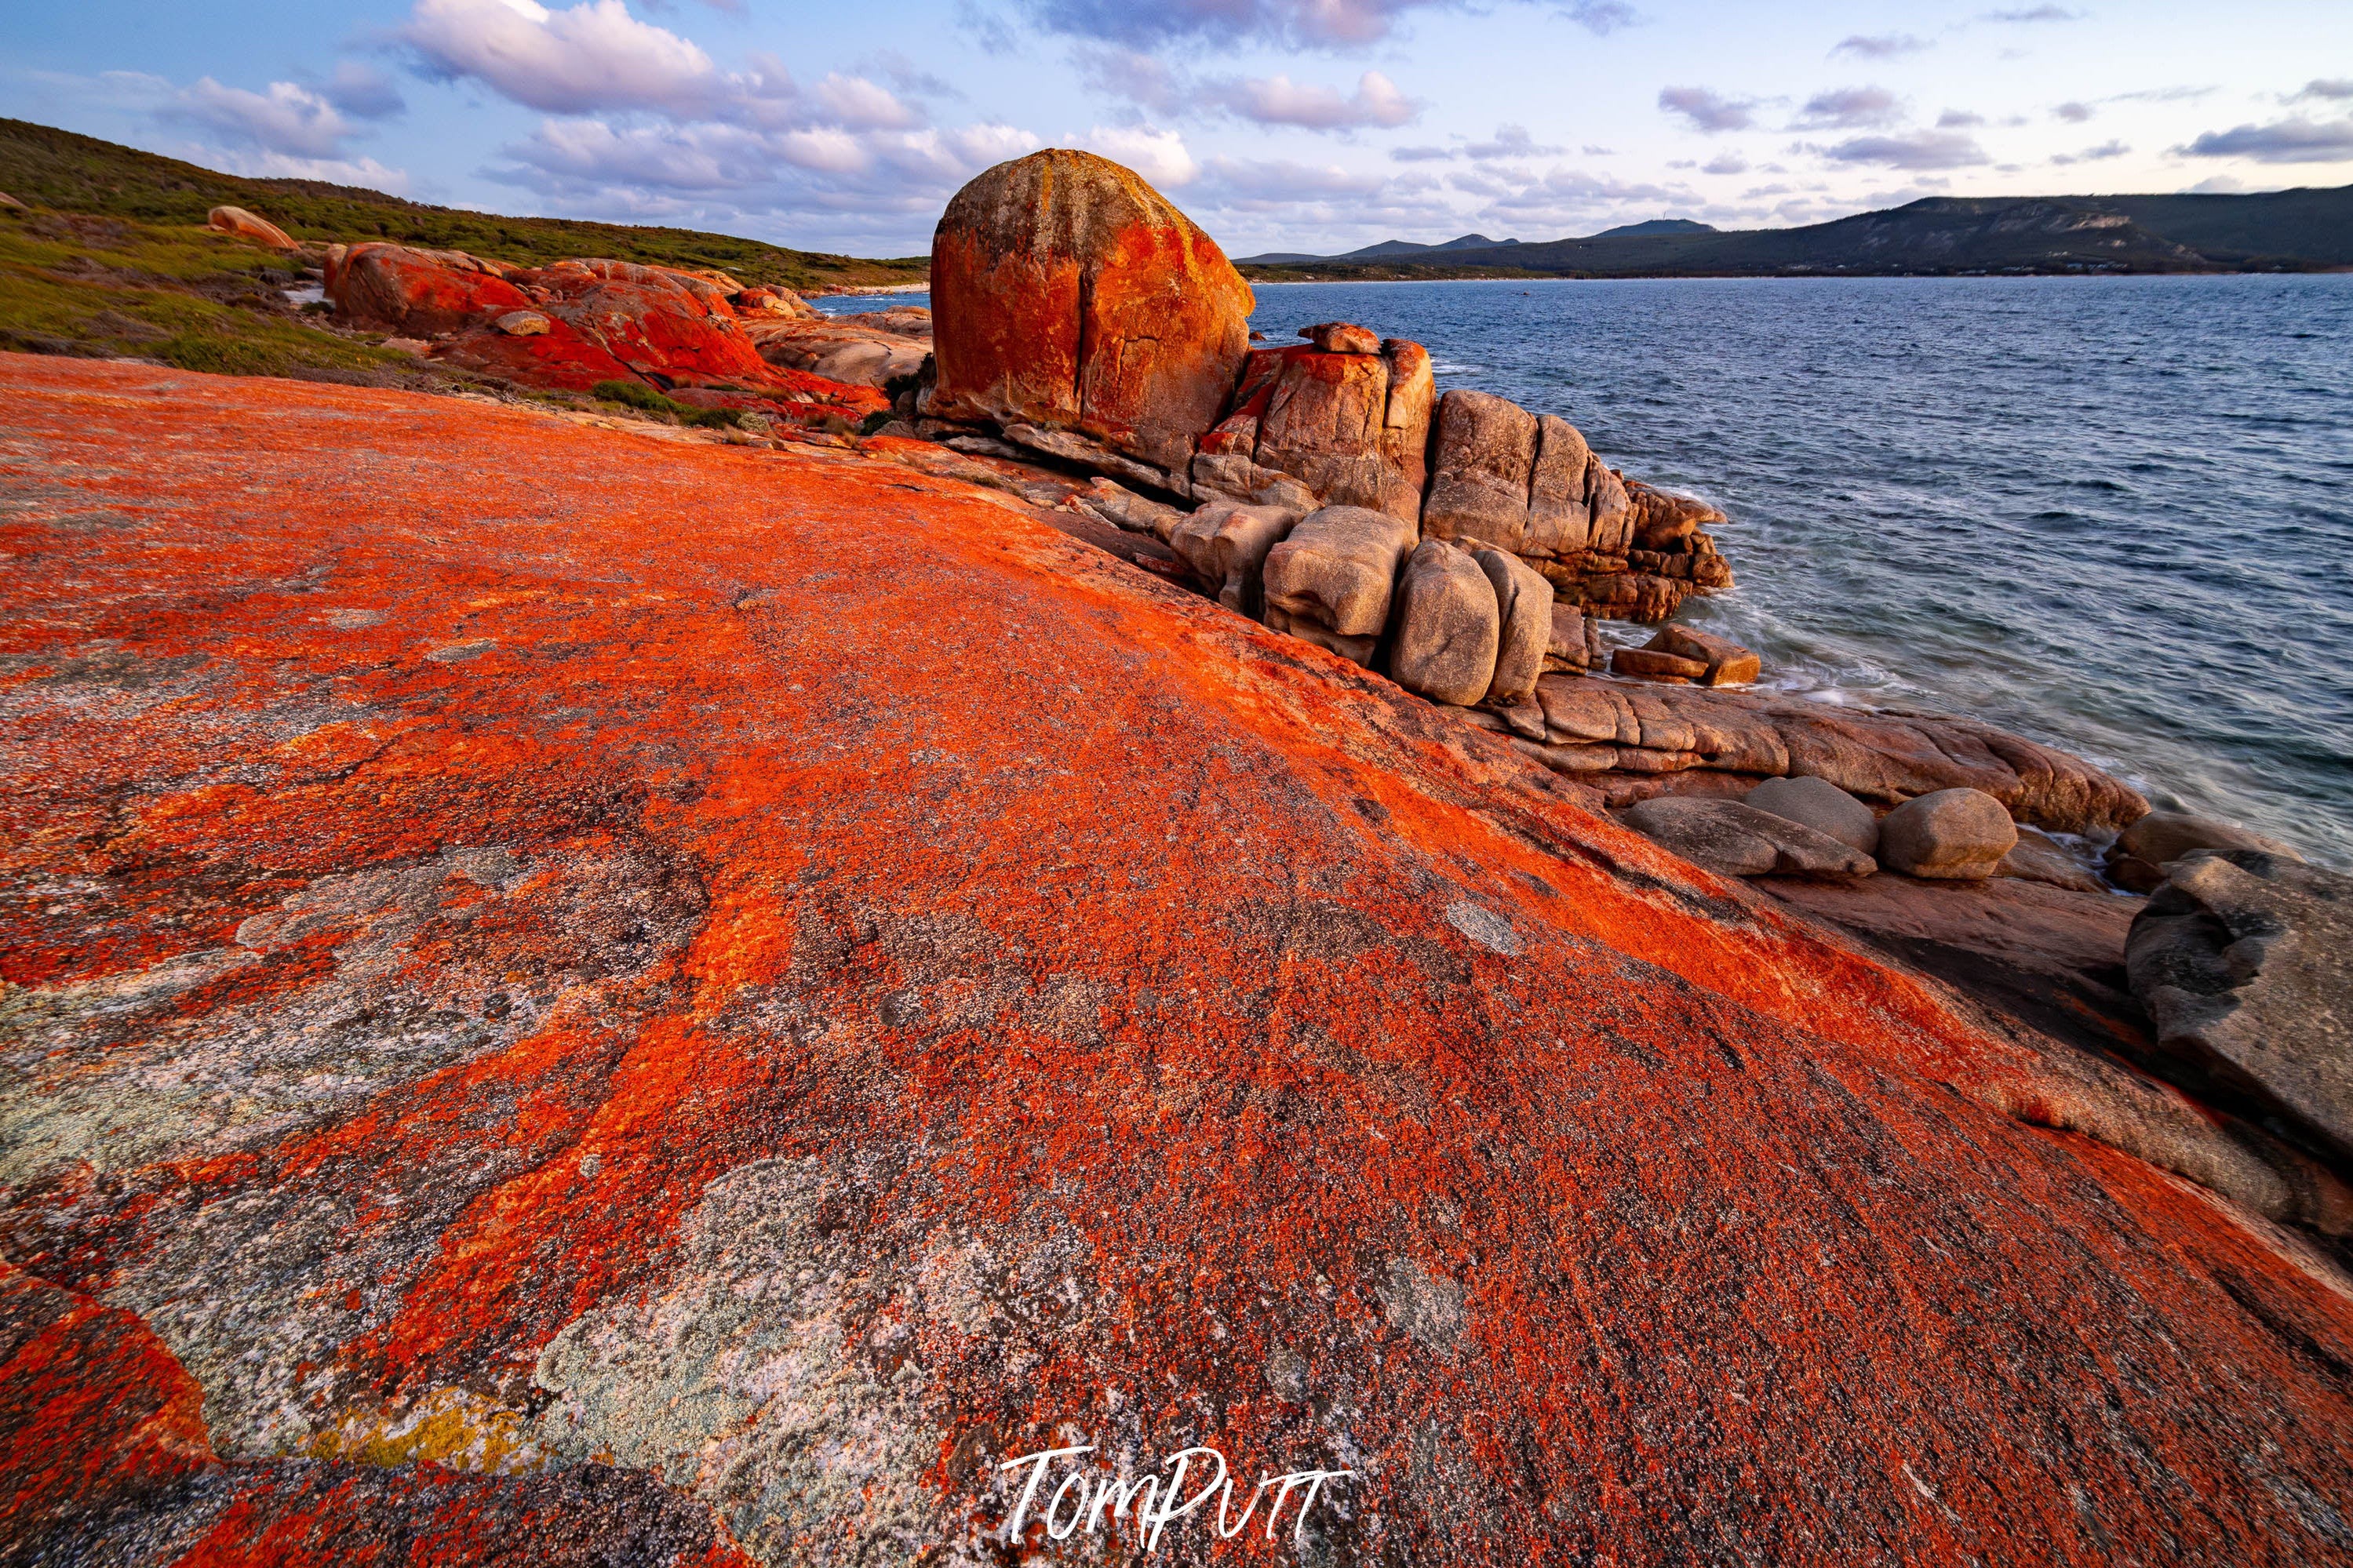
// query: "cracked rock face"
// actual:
[[2244, 961], [706, 1078]]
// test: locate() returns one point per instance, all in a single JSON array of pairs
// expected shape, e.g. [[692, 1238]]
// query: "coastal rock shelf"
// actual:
[[543, 1034]]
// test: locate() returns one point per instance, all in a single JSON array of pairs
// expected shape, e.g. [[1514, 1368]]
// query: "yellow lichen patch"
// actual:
[[449, 1427]]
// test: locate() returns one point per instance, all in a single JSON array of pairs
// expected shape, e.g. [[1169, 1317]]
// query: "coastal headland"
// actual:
[[654, 929]]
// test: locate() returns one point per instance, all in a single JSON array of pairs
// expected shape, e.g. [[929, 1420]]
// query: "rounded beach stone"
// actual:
[[1954, 835], [1821, 806]]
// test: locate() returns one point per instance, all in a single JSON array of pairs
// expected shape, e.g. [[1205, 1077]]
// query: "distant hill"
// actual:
[[58, 169], [1657, 226], [1385, 249], [2300, 231]]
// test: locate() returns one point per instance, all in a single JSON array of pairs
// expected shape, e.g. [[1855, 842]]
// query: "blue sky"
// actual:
[[1314, 124]]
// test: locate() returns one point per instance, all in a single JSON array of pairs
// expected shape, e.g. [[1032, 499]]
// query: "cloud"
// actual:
[[1849, 107], [1726, 163], [1423, 154], [2092, 155], [1916, 150], [2074, 114], [1278, 100], [284, 117], [2032, 14], [594, 56], [1324, 23], [1957, 119], [1510, 142], [1130, 75], [1281, 181], [1708, 110], [1160, 156], [362, 92], [1600, 18], [2341, 87], [1882, 47], [854, 102], [2283, 141]]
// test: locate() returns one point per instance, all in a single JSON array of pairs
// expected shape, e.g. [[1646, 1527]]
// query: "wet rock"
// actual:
[[2137, 860], [1226, 545], [1331, 579], [1821, 806], [2244, 961], [246, 226], [2038, 858], [1736, 840], [1448, 626], [1728, 663], [1950, 834], [1069, 294], [1650, 664], [1524, 605]]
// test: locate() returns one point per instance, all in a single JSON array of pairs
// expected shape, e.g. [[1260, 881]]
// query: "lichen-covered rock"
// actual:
[[420, 293], [1958, 833], [548, 1035], [2244, 961], [1524, 627], [1324, 421], [1067, 293], [1821, 806], [1331, 579], [1447, 627]]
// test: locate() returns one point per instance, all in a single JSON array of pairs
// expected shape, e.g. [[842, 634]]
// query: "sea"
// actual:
[[2114, 514]]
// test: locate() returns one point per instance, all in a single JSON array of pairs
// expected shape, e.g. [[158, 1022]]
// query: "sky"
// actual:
[[1314, 125]]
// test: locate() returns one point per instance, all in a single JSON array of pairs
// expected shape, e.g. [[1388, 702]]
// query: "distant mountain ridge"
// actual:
[[2299, 230], [1387, 247]]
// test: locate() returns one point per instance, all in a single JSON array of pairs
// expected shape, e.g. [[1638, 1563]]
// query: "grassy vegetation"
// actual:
[[649, 400], [108, 288], [60, 170]]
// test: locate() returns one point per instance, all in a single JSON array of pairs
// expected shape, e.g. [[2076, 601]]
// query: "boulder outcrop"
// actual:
[[1523, 626], [418, 294], [1071, 295], [1817, 804], [1226, 547], [2244, 961], [549, 1035], [1958, 833], [1448, 626], [1332, 578], [1736, 840], [1633, 740], [2137, 858], [247, 226]]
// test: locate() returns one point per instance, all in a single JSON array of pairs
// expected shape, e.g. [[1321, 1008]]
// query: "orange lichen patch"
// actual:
[[795, 977], [449, 1427], [92, 1407]]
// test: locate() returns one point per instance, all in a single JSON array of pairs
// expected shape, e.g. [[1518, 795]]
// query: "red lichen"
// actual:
[[1074, 908]]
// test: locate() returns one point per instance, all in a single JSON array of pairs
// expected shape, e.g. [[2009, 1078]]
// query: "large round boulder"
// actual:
[[1069, 294], [1951, 835]]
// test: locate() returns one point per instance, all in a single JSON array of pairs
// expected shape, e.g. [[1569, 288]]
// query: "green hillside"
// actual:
[[72, 173], [2294, 230]]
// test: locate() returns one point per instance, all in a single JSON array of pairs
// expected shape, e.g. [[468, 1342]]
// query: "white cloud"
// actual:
[[593, 55], [1160, 156], [1849, 107], [1880, 45], [1915, 149], [283, 118], [862, 105], [1279, 101]]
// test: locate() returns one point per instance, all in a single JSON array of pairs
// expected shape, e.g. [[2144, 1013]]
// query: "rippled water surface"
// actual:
[[2115, 514]]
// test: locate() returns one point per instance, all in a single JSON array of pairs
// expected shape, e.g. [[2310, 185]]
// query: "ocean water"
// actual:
[[2111, 514]]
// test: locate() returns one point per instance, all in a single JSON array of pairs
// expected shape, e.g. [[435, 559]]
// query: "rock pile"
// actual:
[[701, 336]]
